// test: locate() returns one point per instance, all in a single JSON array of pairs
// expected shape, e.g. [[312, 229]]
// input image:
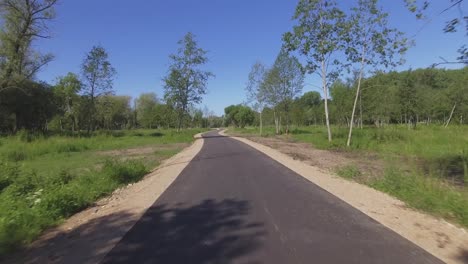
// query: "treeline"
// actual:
[[67, 106], [86, 101], [414, 97]]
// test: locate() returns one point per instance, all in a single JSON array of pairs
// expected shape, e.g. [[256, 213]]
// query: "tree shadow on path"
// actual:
[[209, 232]]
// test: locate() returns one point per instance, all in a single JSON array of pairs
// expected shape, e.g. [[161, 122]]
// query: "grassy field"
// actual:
[[45, 180], [426, 167]]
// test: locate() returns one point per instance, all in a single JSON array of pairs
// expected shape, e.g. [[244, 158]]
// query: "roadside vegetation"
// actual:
[[44, 180]]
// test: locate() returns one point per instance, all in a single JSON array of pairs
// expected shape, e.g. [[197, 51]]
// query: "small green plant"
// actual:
[[125, 172], [17, 155], [349, 172]]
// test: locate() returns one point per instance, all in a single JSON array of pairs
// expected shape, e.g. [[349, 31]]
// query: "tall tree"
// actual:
[[254, 89], [291, 81], [23, 21], [318, 36], [370, 42], [98, 76], [186, 83]]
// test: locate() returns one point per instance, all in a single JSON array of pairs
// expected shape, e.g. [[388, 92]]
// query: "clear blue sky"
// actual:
[[140, 34]]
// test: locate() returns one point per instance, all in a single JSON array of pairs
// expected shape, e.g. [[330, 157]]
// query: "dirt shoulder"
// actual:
[[442, 239], [87, 236]]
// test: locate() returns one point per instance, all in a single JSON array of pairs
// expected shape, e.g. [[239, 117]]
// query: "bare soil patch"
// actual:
[[143, 150], [368, 164]]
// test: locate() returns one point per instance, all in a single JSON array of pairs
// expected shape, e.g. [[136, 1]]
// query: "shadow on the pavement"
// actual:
[[208, 232], [88, 243]]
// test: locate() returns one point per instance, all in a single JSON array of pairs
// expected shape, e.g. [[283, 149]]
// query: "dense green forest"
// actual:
[[86, 100], [413, 97]]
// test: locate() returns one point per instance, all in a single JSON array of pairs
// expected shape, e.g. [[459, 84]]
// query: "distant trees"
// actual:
[[186, 83], [411, 98], [276, 87], [239, 115], [145, 108], [68, 101], [255, 90], [283, 82], [98, 76]]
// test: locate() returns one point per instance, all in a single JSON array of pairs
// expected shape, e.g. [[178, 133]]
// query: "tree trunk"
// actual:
[[358, 91], [360, 110], [280, 129], [276, 122], [261, 124], [451, 115], [179, 123], [325, 92]]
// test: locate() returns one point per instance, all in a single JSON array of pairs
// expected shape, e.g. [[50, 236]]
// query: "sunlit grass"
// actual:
[[46, 179]]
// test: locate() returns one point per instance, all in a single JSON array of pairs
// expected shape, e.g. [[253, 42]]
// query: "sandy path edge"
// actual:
[[88, 236], [440, 238]]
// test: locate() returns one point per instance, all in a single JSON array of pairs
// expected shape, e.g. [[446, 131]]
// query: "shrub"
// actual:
[[71, 147], [63, 201], [16, 155], [8, 172], [125, 172], [349, 172]]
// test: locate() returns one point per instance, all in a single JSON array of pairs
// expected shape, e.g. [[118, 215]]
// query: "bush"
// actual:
[[16, 155], [63, 201], [349, 172], [28, 136], [125, 172], [8, 172], [71, 147], [425, 193]]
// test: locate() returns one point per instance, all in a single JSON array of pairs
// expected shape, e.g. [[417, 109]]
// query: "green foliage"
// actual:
[[239, 115], [186, 83], [349, 172], [22, 23], [426, 194], [98, 76], [145, 106], [319, 36], [126, 172]]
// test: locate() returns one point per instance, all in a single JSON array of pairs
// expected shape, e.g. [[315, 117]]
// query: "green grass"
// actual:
[[426, 194], [44, 180], [349, 172], [434, 158]]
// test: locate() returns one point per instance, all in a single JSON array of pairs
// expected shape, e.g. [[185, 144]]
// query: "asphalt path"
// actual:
[[233, 204]]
